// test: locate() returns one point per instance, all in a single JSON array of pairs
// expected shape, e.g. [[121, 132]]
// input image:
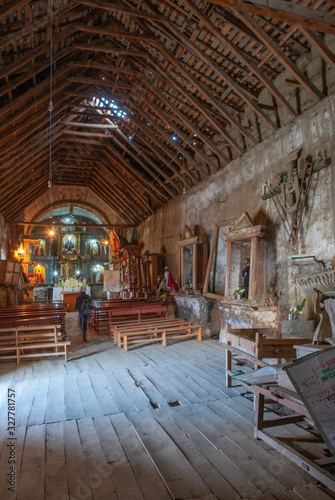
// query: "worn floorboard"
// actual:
[[154, 423]]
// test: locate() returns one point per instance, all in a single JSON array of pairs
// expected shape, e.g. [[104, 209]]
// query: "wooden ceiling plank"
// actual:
[[170, 160], [280, 54], [319, 45], [244, 58], [109, 50], [155, 166], [193, 128], [115, 7], [9, 7], [285, 11], [168, 140], [214, 102]]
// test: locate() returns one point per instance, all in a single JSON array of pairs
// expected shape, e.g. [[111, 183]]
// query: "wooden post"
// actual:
[[259, 413], [195, 261], [226, 291]]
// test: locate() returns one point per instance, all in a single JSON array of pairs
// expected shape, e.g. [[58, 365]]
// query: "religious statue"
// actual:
[[69, 247]]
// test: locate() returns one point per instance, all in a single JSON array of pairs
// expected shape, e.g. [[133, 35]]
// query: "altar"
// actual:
[[60, 291]]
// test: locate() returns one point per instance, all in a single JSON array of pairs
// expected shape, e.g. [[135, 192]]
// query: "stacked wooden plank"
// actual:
[[154, 331]]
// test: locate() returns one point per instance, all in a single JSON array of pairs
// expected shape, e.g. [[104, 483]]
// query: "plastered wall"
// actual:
[[239, 187]]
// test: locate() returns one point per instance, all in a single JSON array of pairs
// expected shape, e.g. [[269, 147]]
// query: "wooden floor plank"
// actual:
[[311, 492], [152, 423], [5, 457], [180, 476], [25, 401], [150, 482], [99, 475], [103, 394], [55, 411], [73, 405], [237, 478], [77, 471], [126, 485], [218, 432], [89, 401], [159, 381], [56, 480], [32, 475], [39, 405], [214, 479]]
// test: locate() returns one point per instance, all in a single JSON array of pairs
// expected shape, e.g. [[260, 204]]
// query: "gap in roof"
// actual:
[[109, 106]]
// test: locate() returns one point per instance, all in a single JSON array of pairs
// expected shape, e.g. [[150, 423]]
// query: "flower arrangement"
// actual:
[[240, 291], [296, 310], [188, 287], [164, 295]]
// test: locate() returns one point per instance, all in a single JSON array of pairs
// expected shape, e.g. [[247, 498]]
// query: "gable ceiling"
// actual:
[[142, 99]]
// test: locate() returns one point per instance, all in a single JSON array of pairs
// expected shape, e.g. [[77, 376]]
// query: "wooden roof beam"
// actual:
[[214, 102], [113, 172], [170, 160], [319, 46], [94, 47], [232, 84], [194, 129], [243, 57], [156, 177], [11, 6], [118, 7], [208, 116], [285, 11], [281, 56], [145, 184]]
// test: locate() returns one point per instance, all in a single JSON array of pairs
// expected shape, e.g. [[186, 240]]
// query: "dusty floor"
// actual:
[[153, 423]]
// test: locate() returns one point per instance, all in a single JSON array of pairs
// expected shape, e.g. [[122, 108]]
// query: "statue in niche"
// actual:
[[94, 247], [69, 244]]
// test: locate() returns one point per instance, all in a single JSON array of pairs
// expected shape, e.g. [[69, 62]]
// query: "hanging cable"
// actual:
[[50, 102]]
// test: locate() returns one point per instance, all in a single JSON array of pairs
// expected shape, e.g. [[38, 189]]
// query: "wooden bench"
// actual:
[[16, 341], [159, 334], [99, 318], [32, 315], [146, 325], [256, 344]]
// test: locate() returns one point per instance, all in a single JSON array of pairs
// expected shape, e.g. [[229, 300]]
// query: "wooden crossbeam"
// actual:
[[281, 56], [286, 11]]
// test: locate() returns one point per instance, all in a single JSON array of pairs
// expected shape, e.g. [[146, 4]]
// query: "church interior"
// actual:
[[167, 249]]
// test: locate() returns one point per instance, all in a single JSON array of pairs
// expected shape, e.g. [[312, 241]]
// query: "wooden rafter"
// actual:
[[285, 11]]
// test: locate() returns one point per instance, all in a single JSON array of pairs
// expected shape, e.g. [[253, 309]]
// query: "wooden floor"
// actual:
[[154, 423]]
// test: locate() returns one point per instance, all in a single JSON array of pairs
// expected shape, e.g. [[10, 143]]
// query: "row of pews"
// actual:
[[37, 330], [138, 322], [106, 313], [33, 330]]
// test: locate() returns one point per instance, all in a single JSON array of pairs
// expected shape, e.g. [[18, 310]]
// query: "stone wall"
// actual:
[[239, 187]]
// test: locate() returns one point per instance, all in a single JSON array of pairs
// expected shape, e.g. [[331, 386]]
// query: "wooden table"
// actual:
[[290, 400]]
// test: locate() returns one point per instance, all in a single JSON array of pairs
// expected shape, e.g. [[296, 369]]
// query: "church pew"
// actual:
[[39, 341], [33, 318], [146, 326], [102, 318], [161, 334]]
